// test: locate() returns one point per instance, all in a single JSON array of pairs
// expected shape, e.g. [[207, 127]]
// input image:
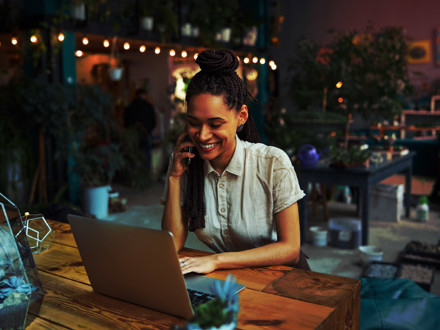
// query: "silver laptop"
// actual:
[[137, 264]]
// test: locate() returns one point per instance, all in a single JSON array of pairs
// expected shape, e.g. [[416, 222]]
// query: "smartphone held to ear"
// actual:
[[188, 149]]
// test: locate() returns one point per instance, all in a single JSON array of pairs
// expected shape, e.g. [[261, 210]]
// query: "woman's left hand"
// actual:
[[201, 265]]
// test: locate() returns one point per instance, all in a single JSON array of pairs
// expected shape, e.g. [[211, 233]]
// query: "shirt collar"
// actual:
[[235, 166]]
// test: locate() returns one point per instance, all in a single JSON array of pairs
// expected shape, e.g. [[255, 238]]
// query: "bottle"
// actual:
[[422, 209]]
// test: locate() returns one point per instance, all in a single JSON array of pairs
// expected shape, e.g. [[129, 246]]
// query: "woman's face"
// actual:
[[212, 126]]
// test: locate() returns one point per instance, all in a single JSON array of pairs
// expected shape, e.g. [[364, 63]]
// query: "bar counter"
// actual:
[[275, 297]]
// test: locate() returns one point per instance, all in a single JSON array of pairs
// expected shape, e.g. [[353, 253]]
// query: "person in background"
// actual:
[[239, 196], [140, 114]]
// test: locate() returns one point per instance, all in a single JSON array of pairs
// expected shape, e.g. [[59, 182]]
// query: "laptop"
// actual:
[[138, 265]]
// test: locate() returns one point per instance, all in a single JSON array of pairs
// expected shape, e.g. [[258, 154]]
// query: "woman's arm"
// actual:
[[284, 251], [172, 218]]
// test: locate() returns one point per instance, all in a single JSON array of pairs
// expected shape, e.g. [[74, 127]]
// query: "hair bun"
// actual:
[[218, 61]]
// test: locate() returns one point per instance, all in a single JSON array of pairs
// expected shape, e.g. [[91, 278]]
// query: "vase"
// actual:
[[115, 74], [147, 23], [95, 201]]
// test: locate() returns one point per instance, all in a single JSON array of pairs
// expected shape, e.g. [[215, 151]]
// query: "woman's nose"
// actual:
[[204, 134]]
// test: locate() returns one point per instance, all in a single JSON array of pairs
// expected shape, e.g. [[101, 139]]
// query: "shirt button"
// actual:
[[222, 210], [225, 231], [221, 185]]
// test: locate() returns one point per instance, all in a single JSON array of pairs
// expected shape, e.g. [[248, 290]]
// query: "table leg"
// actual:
[[408, 180], [303, 212], [365, 210]]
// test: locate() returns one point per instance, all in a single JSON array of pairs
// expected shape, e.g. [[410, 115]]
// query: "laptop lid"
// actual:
[[135, 264]]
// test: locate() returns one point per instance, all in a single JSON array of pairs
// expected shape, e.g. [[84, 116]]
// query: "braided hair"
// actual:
[[216, 77]]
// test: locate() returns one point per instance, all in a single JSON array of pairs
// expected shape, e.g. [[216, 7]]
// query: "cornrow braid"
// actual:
[[217, 77]]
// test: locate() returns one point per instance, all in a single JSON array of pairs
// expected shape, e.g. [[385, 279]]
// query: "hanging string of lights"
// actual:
[[87, 44]]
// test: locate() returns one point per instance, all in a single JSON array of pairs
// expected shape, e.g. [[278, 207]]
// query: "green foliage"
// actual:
[[352, 156], [372, 67]]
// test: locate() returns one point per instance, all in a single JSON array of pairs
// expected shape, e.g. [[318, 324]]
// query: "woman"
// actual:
[[239, 196]]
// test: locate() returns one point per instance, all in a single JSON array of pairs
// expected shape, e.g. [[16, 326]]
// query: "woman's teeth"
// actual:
[[207, 146]]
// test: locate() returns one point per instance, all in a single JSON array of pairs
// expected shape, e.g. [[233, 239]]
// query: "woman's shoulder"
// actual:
[[263, 150]]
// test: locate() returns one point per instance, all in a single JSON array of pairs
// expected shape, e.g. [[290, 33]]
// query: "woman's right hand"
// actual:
[[180, 163]]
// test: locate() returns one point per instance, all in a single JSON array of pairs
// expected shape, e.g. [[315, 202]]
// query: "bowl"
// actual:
[[370, 253]]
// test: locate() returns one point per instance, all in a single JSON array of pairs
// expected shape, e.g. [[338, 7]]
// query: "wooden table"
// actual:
[[362, 177], [274, 297]]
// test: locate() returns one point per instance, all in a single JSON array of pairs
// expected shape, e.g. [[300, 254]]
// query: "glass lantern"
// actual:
[[20, 286]]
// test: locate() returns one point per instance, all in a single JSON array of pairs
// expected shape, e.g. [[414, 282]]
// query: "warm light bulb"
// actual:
[[60, 37], [142, 48], [157, 50], [85, 41], [271, 63], [196, 55], [14, 41], [340, 100], [339, 84], [246, 60], [273, 67], [172, 52], [33, 39], [254, 60], [79, 53], [126, 45], [184, 53], [106, 43], [262, 60]]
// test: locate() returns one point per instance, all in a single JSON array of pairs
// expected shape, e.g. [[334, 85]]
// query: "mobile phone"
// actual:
[[188, 149]]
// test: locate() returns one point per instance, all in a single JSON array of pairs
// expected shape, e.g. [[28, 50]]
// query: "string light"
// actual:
[[85, 41], [60, 37], [254, 60], [14, 41], [339, 84], [262, 61], [157, 50], [79, 53], [184, 53], [142, 48], [340, 100], [272, 65], [246, 60], [106, 43], [34, 39], [126, 45], [196, 55], [172, 52]]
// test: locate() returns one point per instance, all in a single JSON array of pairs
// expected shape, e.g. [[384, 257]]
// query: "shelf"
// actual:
[[421, 113]]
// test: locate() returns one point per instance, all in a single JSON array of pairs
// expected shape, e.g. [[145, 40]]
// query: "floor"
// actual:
[[144, 209]]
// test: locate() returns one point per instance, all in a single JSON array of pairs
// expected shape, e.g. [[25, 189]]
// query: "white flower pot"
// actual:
[[79, 11], [147, 23], [115, 74], [186, 30], [95, 201], [226, 34]]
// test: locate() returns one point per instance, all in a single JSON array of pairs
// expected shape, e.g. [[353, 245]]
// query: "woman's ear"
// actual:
[[243, 115]]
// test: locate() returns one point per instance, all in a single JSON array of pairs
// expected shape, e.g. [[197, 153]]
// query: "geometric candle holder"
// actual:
[[39, 233]]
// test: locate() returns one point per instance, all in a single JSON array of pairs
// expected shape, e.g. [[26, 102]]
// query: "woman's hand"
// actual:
[[180, 164], [201, 265]]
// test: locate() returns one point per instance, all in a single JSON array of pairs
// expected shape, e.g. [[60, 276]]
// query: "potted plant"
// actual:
[[354, 156], [95, 145], [147, 9], [115, 70], [219, 313]]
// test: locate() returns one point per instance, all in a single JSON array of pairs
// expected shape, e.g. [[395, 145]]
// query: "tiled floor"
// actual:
[[144, 209]]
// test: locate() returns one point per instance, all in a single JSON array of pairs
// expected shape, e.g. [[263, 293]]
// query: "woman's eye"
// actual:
[[215, 125]]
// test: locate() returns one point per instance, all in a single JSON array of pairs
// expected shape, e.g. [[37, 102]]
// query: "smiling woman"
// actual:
[[238, 195]]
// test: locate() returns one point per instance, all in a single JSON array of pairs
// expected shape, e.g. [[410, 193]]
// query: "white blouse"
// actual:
[[259, 182]]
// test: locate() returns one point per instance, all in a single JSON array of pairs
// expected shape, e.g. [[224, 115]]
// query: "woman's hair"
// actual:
[[216, 77]]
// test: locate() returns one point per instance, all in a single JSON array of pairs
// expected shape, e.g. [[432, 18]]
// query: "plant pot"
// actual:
[[95, 201], [115, 74], [186, 30], [79, 11], [147, 23]]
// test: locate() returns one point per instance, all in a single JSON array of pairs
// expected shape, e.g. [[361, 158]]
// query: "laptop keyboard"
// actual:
[[198, 297]]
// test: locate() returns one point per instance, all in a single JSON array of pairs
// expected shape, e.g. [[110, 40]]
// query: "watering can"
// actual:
[[308, 154]]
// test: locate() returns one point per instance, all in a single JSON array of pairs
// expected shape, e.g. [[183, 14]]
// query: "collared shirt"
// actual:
[[258, 182]]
